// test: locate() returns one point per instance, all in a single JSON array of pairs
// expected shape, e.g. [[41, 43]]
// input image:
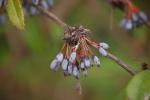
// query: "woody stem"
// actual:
[[51, 16], [121, 63]]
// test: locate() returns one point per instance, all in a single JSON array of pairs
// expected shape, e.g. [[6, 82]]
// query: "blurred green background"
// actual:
[[25, 56]]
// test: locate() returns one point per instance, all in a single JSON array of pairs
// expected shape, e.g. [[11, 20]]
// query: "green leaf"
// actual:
[[15, 13], [139, 87]]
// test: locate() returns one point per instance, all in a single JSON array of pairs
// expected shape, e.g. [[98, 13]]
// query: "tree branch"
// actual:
[[121, 63], [53, 17]]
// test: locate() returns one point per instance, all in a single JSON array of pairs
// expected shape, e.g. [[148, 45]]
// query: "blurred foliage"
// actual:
[[139, 87], [25, 56], [15, 13]]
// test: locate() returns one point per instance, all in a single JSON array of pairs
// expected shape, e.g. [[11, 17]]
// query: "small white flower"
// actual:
[[70, 69], [82, 65], [103, 51], [59, 57], [85, 72], [104, 45], [75, 71], [64, 64], [129, 25], [72, 57], [87, 62], [96, 60], [54, 64]]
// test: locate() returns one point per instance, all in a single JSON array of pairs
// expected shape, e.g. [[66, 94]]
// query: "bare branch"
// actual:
[[121, 63], [51, 16]]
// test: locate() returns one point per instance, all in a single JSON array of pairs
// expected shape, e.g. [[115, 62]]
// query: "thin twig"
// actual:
[[51, 16], [63, 24], [121, 63]]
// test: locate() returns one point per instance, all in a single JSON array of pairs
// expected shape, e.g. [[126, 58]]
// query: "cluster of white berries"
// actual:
[[79, 57], [133, 16], [136, 20]]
